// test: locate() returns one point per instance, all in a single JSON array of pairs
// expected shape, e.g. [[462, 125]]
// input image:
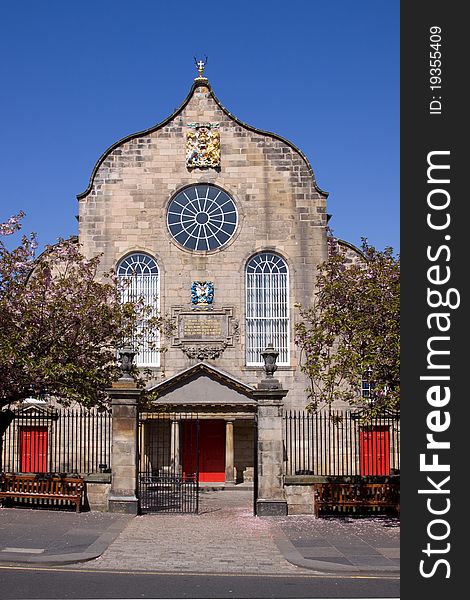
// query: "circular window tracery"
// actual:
[[202, 217]]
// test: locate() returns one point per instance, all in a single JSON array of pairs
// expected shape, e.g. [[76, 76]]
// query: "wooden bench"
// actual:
[[339, 498], [35, 487]]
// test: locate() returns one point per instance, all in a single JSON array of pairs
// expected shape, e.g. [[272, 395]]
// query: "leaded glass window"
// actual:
[[140, 276], [267, 307], [202, 217]]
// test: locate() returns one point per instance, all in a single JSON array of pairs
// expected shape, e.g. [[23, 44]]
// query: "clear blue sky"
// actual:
[[76, 76]]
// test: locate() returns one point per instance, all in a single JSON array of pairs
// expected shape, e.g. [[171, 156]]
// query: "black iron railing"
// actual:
[[45, 439], [339, 442]]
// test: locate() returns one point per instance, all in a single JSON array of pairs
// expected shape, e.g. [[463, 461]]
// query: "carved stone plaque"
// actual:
[[201, 334], [197, 326]]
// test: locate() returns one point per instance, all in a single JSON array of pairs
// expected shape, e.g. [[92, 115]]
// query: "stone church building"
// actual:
[[224, 224], [221, 226]]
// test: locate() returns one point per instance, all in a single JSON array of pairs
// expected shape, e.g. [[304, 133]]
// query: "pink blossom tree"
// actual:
[[351, 332], [60, 327]]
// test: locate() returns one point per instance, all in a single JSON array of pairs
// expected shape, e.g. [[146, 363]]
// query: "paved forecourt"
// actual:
[[223, 538], [226, 538]]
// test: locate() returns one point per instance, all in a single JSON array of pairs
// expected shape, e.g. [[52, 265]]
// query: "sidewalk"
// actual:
[[49, 537], [223, 538]]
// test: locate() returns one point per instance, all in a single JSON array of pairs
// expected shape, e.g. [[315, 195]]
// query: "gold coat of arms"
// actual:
[[203, 145]]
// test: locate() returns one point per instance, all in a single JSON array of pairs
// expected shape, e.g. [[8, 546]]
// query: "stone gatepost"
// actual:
[[124, 449], [271, 499]]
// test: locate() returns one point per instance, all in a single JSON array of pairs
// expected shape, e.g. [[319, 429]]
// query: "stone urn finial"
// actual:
[[126, 355], [270, 367], [270, 356]]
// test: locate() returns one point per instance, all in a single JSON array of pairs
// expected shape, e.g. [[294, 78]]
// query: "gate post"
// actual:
[[271, 500], [124, 446]]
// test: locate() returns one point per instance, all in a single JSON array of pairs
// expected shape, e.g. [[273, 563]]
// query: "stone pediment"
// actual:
[[204, 384]]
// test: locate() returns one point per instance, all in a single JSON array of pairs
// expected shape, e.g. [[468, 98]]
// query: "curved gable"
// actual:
[[155, 128]]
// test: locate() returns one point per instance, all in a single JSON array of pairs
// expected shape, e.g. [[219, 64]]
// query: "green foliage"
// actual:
[[59, 325], [352, 329]]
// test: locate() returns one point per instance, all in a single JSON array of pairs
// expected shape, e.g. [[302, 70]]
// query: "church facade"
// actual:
[[224, 224], [221, 226]]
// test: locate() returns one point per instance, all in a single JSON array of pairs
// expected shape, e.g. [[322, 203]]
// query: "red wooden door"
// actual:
[[375, 451], [212, 461], [211, 450], [33, 448]]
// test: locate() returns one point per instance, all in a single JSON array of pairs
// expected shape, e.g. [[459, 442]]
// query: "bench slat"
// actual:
[[68, 489], [358, 495]]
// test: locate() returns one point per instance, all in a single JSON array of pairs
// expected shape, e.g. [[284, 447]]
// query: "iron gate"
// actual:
[[169, 463]]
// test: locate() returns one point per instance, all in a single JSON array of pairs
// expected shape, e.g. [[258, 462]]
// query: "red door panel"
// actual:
[[211, 450], [375, 451], [33, 448], [212, 461]]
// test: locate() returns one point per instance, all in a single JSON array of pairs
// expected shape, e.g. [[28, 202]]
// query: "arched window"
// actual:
[[141, 275], [267, 307]]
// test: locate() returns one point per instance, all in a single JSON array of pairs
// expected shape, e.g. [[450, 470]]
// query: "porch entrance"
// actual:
[[179, 451], [165, 483], [202, 430]]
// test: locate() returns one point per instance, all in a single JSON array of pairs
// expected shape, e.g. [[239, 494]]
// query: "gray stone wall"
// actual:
[[97, 492], [280, 209], [300, 499], [243, 449]]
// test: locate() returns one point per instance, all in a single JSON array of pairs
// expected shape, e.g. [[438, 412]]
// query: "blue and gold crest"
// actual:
[[202, 293]]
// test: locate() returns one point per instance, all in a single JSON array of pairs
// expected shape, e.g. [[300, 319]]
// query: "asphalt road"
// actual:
[[61, 583]]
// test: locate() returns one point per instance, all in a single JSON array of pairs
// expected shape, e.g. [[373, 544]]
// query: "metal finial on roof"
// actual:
[[200, 66]]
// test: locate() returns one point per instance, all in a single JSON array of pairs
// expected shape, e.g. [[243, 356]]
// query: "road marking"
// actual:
[[24, 550], [192, 574]]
